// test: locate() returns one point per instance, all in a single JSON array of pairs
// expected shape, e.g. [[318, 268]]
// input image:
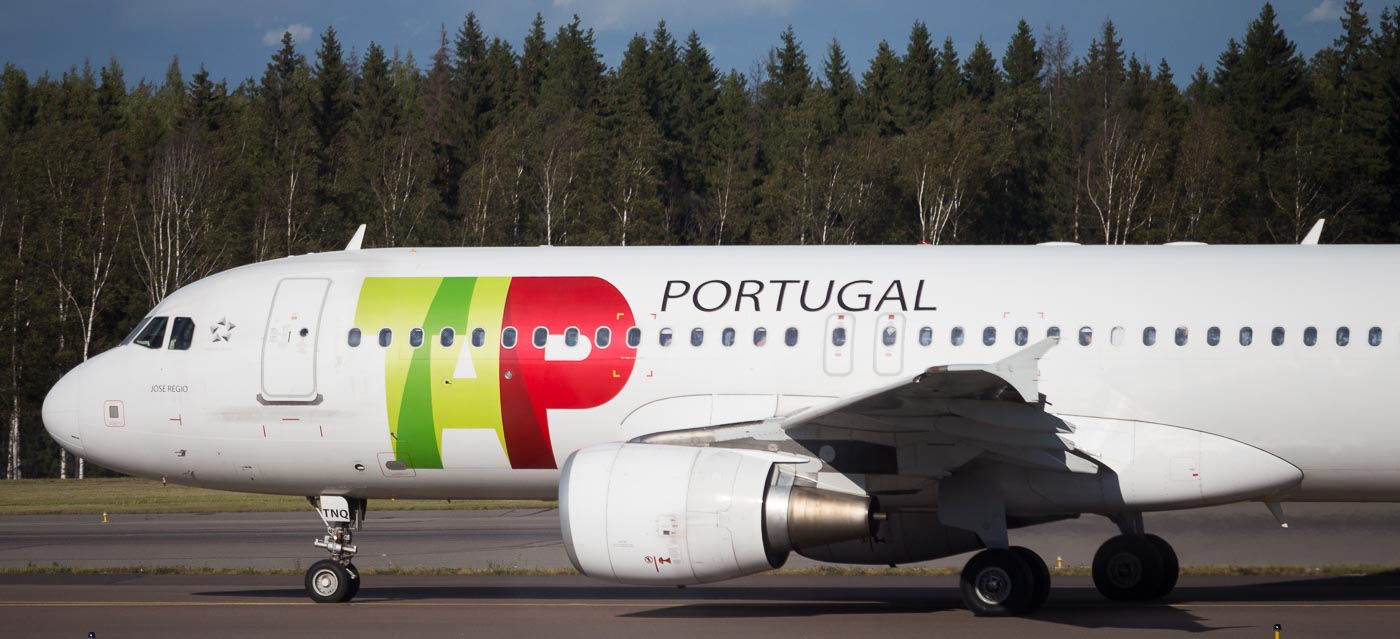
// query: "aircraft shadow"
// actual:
[[1068, 605]]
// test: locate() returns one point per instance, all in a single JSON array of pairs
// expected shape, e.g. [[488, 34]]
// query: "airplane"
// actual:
[[701, 413]]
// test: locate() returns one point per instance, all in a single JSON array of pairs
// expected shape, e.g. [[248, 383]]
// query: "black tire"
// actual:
[[997, 583], [1128, 568], [1040, 573], [1171, 567], [329, 582]]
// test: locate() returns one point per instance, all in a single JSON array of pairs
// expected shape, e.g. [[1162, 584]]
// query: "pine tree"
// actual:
[[1267, 89], [789, 77], [333, 106], [918, 78], [534, 57], [949, 76], [878, 91], [980, 73], [1023, 64], [839, 94]]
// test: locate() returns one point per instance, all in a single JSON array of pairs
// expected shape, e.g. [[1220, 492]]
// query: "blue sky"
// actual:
[[234, 38]]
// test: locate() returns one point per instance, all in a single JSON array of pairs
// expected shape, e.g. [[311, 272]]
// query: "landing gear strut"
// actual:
[[1135, 566], [1005, 581], [336, 580]]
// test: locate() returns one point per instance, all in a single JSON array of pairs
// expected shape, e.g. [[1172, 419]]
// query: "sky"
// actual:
[[234, 39]]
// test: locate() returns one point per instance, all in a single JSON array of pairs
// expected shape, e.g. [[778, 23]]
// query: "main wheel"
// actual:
[[1128, 568], [329, 582], [1171, 567], [997, 582], [1040, 573]]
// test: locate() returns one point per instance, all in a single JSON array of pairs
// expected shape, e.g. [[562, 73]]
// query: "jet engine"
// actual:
[[659, 514]]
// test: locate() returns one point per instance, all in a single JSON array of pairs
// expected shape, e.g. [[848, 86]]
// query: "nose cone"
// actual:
[[61, 414]]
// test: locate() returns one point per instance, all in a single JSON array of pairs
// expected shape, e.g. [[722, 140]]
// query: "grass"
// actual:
[[142, 496], [824, 571]]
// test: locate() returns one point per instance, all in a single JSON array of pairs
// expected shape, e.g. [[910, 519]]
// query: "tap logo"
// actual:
[[497, 353]]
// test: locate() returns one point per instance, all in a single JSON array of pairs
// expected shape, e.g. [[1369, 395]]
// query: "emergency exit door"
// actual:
[[289, 347]]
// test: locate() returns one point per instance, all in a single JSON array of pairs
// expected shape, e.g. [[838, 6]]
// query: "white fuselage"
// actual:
[[200, 416]]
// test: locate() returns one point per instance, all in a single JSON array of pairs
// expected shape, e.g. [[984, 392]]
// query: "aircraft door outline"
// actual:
[[838, 352], [889, 340], [289, 344]]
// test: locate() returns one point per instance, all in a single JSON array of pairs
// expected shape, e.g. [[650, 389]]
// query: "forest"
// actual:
[[114, 194]]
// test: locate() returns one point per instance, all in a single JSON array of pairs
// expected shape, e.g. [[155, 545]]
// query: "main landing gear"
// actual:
[[1005, 581], [1135, 566], [336, 580]]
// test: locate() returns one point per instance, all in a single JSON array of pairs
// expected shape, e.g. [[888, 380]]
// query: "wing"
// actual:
[[923, 425]]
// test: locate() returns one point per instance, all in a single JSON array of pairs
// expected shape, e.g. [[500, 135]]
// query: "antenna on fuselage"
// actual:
[[1315, 234], [357, 240]]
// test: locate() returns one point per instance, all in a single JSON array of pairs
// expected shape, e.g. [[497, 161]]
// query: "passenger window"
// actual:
[[135, 331], [182, 334], [1053, 331], [1310, 336], [838, 336], [1213, 335], [415, 337], [1149, 336], [1086, 336], [602, 337], [664, 337], [541, 337], [447, 337], [697, 336], [571, 336], [634, 337], [727, 337], [956, 337], [889, 336], [1023, 335], [1183, 334], [1277, 337], [790, 336], [353, 339], [1246, 336], [760, 336], [1343, 336], [1375, 336], [508, 337], [926, 336], [1115, 336], [153, 335], [386, 337], [478, 337], [989, 336]]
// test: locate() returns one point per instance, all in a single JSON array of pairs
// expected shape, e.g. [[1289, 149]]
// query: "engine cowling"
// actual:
[[659, 514]]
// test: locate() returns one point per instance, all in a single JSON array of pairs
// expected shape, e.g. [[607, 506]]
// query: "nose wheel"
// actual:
[[336, 580], [332, 582]]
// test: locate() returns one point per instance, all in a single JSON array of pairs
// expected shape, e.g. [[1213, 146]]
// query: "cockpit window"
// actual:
[[135, 331], [182, 334], [153, 335]]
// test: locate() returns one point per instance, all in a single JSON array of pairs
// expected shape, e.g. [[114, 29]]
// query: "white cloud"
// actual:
[[1325, 11], [300, 34], [611, 15]]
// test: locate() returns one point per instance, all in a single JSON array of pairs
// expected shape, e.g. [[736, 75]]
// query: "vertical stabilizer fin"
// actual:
[[357, 240], [1315, 234]]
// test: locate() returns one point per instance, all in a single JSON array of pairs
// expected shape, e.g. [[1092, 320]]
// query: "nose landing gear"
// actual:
[[336, 580]]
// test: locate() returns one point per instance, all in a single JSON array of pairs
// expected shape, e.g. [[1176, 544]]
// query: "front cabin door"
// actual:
[[289, 347]]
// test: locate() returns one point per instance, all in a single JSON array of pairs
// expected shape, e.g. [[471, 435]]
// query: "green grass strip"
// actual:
[[142, 496]]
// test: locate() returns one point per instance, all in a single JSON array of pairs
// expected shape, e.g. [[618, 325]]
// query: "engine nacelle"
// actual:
[[658, 514]]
